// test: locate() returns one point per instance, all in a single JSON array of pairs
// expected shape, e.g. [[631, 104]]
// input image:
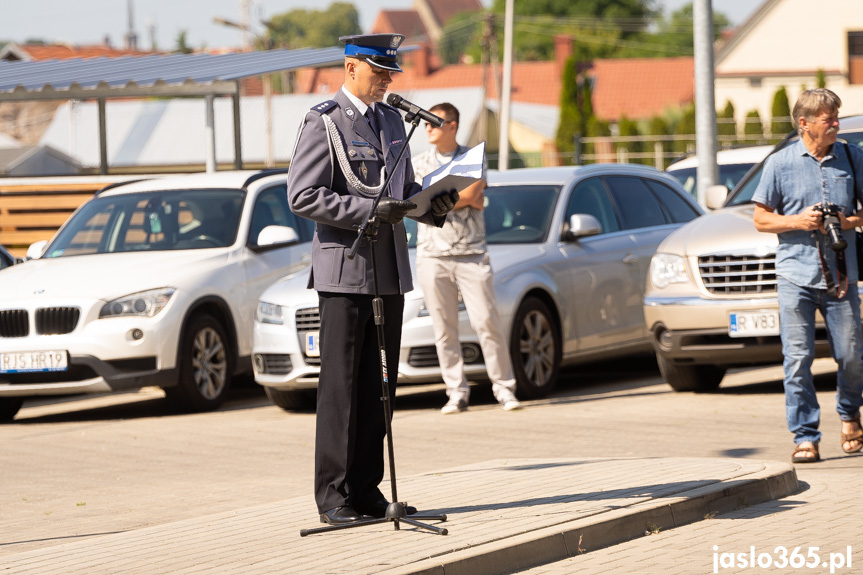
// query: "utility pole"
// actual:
[[506, 91], [705, 98], [486, 47], [131, 37]]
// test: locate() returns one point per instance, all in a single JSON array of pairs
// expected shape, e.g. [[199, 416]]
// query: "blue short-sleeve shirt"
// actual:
[[793, 179]]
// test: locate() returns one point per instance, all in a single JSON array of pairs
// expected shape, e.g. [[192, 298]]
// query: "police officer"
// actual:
[[345, 150]]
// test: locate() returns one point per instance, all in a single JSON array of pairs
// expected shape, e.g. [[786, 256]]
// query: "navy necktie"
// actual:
[[370, 117]]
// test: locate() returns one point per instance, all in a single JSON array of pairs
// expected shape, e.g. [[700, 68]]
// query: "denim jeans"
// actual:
[[797, 306]]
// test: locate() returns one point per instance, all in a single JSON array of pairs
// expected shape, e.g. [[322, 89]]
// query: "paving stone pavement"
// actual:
[[502, 516], [824, 521], [122, 485]]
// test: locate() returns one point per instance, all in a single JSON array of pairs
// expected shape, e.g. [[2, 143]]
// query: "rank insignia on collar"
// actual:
[[352, 153], [364, 170], [349, 112]]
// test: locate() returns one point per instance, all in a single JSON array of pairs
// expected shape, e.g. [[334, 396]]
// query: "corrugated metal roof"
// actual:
[[113, 75]]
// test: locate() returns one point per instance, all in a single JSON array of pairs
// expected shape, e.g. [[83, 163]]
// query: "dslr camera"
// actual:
[[833, 225]]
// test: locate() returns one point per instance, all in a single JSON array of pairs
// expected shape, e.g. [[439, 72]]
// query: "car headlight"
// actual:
[[145, 304], [269, 313], [667, 269], [424, 311]]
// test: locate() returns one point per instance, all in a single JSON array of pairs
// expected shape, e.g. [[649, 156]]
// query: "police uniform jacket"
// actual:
[[319, 190]]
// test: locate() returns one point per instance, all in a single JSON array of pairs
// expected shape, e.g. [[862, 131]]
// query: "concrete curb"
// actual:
[[775, 481]]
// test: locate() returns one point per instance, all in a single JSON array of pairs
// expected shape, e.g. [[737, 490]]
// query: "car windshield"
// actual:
[[729, 175], [151, 221], [743, 193], [514, 214]]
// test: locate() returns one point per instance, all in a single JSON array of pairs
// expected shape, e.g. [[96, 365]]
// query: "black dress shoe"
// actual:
[[378, 508], [340, 515]]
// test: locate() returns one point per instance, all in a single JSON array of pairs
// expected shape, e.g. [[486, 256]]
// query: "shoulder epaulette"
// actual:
[[325, 107]]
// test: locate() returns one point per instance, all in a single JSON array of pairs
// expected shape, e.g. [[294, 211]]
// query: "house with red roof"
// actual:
[[638, 88], [786, 43]]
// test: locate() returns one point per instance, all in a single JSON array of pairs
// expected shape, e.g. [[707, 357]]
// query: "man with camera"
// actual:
[[808, 195]]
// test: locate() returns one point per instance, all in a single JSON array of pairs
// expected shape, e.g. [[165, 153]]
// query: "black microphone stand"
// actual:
[[397, 510]]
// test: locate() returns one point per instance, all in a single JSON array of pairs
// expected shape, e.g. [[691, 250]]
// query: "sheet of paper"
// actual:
[[460, 173]]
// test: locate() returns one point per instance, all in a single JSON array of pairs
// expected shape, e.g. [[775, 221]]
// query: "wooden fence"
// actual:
[[32, 209]]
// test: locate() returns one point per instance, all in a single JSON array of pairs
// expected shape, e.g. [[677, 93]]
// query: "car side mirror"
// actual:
[[274, 236], [581, 226], [716, 195], [36, 249]]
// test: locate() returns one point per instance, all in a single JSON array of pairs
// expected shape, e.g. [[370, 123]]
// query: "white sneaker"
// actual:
[[454, 406], [509, 402]]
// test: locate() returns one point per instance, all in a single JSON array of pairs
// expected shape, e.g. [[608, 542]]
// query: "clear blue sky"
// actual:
[[89, 21]]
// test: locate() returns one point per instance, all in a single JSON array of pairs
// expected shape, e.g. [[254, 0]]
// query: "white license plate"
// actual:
[[29, 361], [753, 323], [312, 344]]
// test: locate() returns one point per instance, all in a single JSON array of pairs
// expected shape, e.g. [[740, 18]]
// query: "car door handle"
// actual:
[[630, 259]]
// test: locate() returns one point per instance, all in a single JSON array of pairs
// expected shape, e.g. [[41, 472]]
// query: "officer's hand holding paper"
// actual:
[[443, 203], [460, 173]]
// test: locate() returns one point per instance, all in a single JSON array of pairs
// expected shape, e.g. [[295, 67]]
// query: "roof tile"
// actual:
[[641, 87]]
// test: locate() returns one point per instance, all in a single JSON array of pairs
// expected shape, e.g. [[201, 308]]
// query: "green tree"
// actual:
[[303, 28], [182, 43], [572, 122], [576, 109], [820, 80], [462, 35], [628, 128], [726, 128], [753, 128], [658, 126], [674, 36], [685, 126], [780, 115], [598, 26]]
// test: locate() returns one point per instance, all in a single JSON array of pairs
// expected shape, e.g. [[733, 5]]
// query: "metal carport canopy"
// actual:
[[206, 75]]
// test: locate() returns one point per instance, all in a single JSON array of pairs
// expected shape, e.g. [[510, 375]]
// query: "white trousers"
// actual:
[[440, 280]]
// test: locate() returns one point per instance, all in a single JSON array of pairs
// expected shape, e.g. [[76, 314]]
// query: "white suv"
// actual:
[[710, 301], [149, 283], [733, 163]]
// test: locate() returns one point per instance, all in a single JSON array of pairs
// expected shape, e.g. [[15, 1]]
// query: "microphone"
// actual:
[[413, 110]]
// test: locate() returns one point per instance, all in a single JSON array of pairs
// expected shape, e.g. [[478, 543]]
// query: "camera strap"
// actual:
[[832, 289]]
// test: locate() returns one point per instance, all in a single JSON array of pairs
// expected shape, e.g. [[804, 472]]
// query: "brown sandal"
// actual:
[[858, 437], [801, 454]]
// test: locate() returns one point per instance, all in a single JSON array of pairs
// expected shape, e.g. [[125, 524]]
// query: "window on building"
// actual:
[[855, 57]]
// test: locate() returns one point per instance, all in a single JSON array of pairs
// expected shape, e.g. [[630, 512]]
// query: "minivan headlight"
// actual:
[[269, 313], [667, 269], [143, 304]]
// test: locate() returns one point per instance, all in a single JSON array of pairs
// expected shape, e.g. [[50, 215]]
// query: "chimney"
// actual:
[[421, 61], [562, 51]]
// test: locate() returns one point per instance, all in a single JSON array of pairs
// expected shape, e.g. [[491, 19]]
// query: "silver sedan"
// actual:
[[570, 248]]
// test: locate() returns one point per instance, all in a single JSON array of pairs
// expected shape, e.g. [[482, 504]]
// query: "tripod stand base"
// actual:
[[395, 513]]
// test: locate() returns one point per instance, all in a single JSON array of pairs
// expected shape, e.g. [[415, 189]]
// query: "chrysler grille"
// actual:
[[738, 274], [56, 320], [14, 323]]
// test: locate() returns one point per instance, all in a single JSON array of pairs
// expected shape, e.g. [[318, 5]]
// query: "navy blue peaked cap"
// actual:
[[379, 50]]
